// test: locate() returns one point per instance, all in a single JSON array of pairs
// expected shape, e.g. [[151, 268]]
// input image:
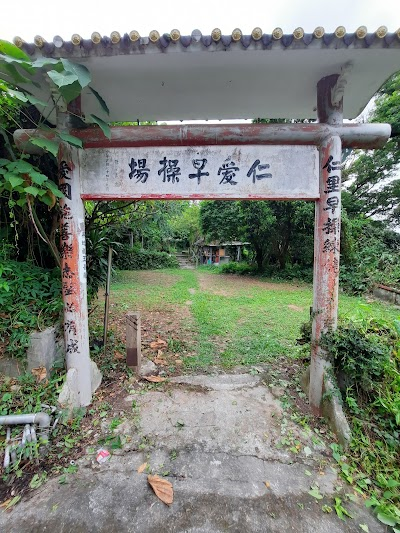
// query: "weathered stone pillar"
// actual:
[[326, 237], [73, 272]]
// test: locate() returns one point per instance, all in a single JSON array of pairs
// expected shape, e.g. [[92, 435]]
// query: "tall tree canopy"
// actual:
[[373, 185], [279, 232]]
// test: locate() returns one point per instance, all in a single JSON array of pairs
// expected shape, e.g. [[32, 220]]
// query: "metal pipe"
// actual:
[[42, 419], [8, 448], [352, 135]]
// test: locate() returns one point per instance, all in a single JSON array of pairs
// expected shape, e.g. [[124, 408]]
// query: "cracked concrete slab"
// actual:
[[216, 441]]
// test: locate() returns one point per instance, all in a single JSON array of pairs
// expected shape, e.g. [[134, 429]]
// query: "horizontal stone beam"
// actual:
[[365, 136]]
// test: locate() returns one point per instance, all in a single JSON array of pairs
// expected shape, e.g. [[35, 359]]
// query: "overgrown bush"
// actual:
[[370, 254], [360, 355], [238, 268], [365, 355], [30, 299], [290, 272], [128, 258]]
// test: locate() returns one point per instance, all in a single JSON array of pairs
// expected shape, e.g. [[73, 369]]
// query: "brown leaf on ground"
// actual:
[[159, 343], [40, 374], [179, 362], [160, 361], [4, 504], [142, 468], [267, 484], [162, 488], [154, 379], [119, 355]]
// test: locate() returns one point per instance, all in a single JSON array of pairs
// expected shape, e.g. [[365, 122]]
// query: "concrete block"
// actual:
[[331, 408], [385, 295], [69, 396], [95, 376], [45, 349], [147, 368], [12, 368], [333, 411]]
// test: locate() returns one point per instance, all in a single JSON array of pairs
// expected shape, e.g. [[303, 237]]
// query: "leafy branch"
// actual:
[[22, 181]]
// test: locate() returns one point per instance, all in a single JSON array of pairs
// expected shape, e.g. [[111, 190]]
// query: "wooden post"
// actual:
[[107, 298], [133, 342], [326, 239], [73, 272]]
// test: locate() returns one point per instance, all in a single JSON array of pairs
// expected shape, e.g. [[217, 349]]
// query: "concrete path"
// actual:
[[217, 439]]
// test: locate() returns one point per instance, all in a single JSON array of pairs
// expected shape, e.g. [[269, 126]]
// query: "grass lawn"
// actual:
[[210, 319]]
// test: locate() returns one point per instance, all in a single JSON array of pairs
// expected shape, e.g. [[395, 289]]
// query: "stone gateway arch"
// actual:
[[326, 76]]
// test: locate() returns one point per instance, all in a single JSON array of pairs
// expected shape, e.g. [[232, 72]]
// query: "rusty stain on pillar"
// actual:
[[73, 272], [326, 239], [133, 342]]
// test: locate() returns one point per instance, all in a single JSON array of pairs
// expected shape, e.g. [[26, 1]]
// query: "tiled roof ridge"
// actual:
[[361, 37]]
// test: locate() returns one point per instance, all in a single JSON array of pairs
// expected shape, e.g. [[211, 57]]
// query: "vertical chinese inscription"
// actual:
[[331, 226], [65, 185], [72, 252], [68, 258]]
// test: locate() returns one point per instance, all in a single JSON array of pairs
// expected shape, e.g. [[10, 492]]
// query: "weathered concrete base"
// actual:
[[387, 294], [95, 376], [147, 368], [44, 349], [69, 397], [331, 408], [11, 367], [215, 438]]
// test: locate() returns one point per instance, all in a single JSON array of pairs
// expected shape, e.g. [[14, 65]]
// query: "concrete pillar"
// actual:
[[73, 268], [326, 239]]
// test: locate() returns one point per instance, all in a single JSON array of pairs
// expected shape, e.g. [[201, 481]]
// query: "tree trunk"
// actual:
[[259, 258]]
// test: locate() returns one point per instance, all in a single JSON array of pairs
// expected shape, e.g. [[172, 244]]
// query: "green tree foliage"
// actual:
[[28, 185], [280, 233], [373, 186], [370, 254], [186, 225], [221, 220], [30, 298]]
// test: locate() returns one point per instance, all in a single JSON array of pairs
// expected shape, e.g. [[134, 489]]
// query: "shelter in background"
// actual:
[[216, 253]]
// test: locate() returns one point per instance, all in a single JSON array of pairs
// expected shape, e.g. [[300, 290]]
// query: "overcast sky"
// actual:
[[27, 18]]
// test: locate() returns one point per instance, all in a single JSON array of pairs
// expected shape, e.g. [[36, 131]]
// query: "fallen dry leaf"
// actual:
[[159, 353], [267, 484], [162, 488], [179, 361], [40, 374], [159, 343], [119, 355], [142, 468], [160, 361], [5, 503], [154, 379]]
